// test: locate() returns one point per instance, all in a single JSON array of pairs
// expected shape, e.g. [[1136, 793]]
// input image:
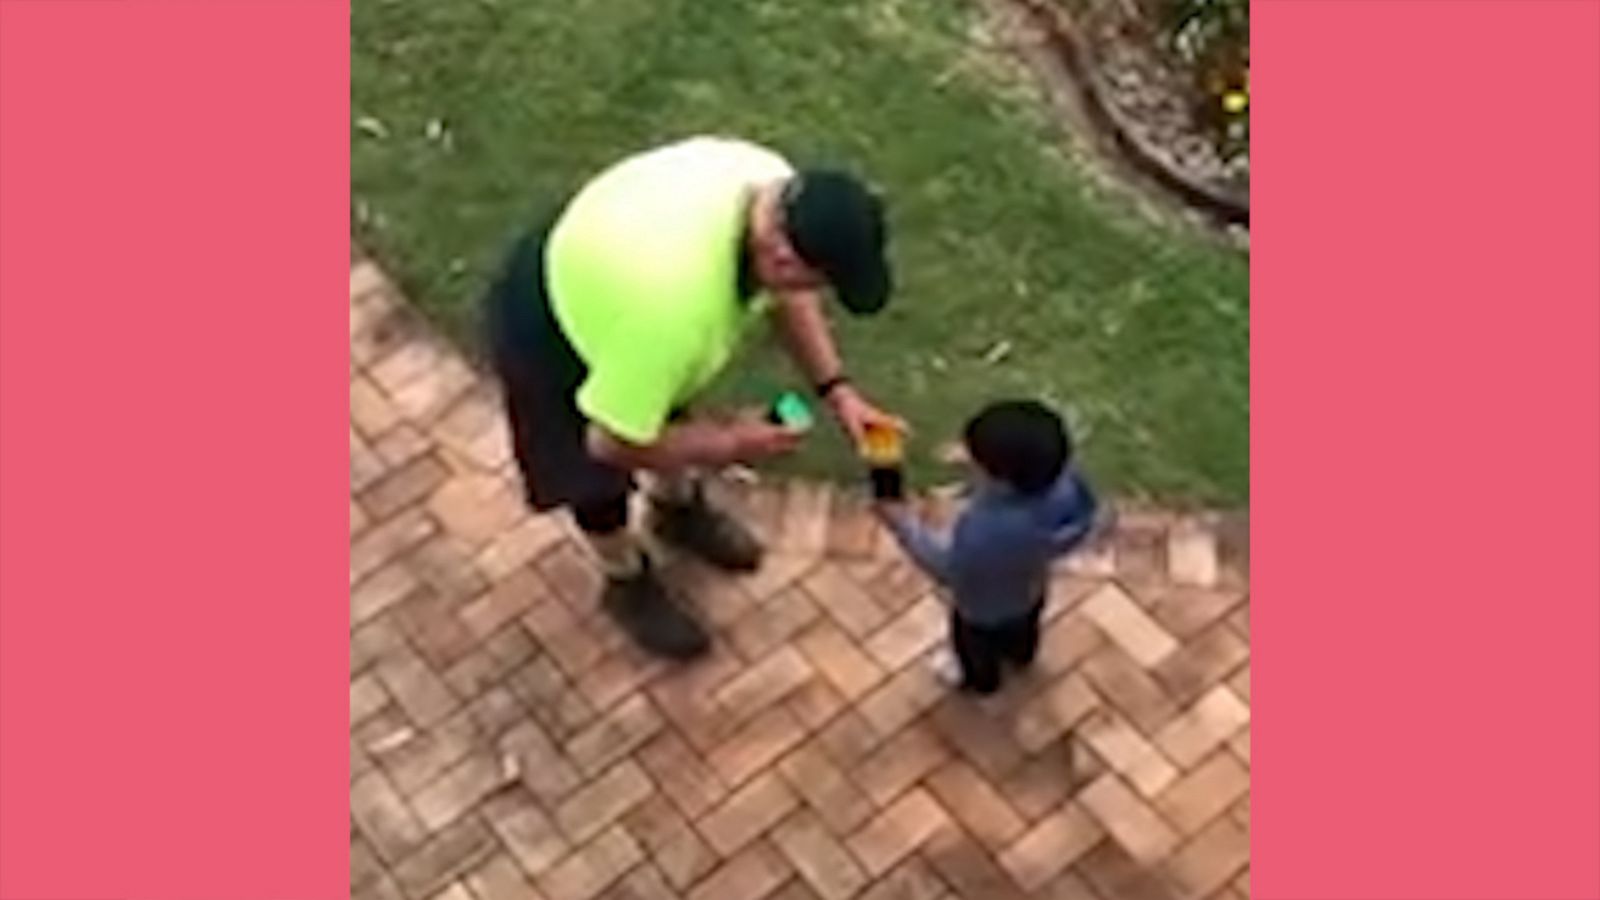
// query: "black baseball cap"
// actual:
[[837, 226]]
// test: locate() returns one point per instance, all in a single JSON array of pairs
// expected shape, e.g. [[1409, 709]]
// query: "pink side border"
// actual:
[[173, 490], [1426, 450]]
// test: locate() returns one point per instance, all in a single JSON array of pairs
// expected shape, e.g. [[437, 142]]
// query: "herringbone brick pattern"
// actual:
[[507, 743]]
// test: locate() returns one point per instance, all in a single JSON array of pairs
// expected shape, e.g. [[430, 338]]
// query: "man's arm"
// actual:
[[803, 327], [627, 403], [691, 445], [679, 447]]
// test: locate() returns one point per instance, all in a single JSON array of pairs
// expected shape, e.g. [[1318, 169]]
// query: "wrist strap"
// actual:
[[831, 385]]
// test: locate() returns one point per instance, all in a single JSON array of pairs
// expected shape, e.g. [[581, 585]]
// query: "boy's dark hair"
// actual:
[[1021, 443]]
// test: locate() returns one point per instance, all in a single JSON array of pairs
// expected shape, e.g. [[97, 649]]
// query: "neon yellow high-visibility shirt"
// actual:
[[643, 274]]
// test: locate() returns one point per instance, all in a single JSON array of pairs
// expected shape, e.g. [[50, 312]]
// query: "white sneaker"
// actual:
[[946, 668]]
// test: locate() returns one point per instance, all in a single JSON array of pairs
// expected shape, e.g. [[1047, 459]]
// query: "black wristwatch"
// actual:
[[831, 385]]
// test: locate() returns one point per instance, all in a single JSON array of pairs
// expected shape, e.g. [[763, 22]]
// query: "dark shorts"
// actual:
[[540, 373]]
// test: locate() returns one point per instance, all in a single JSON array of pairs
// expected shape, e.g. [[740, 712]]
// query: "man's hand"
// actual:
[[750, 442], [855, 413]]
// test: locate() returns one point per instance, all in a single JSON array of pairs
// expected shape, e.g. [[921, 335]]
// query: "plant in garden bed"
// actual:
[[1211, 40]]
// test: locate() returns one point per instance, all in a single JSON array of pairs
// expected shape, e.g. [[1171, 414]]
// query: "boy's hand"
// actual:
[[890, 509]]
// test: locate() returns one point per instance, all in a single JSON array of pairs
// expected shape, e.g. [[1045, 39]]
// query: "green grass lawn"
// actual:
[[472, 115]]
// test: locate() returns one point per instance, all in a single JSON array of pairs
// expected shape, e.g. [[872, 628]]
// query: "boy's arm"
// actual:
[[1073, 533], [979, 552], [1070, 536], [930, 551], [971, 554]]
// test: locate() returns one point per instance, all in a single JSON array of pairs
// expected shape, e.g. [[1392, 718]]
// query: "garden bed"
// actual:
[[1181, 121]]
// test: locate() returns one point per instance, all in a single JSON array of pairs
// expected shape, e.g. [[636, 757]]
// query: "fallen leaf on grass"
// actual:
[[952, 453], [372, 127]]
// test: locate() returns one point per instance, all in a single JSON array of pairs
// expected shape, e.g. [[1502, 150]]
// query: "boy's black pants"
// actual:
[[982, 648]]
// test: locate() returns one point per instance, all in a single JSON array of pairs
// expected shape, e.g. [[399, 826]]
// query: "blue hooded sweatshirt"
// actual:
[[996, 560]]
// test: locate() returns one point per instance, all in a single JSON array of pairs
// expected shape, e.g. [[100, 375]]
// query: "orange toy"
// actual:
[[883, 446]]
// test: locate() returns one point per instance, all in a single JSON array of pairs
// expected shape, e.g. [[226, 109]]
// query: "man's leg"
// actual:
[[540, 372], [681, 516], [980, 663], [633, 596], [605, 526]]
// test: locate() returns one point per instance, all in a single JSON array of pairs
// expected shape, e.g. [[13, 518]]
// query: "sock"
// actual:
[[679, 489], [619, 554]]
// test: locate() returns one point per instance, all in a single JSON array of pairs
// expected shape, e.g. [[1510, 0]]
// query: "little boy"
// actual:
[[1028, 507]]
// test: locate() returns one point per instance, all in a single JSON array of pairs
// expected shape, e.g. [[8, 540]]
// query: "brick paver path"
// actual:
[[506, 743]]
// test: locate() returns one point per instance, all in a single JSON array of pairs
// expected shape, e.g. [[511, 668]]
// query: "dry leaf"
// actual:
[[997, 353]]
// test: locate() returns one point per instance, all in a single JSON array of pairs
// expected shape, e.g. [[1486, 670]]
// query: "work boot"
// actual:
[[713, 536], [642, 606]]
